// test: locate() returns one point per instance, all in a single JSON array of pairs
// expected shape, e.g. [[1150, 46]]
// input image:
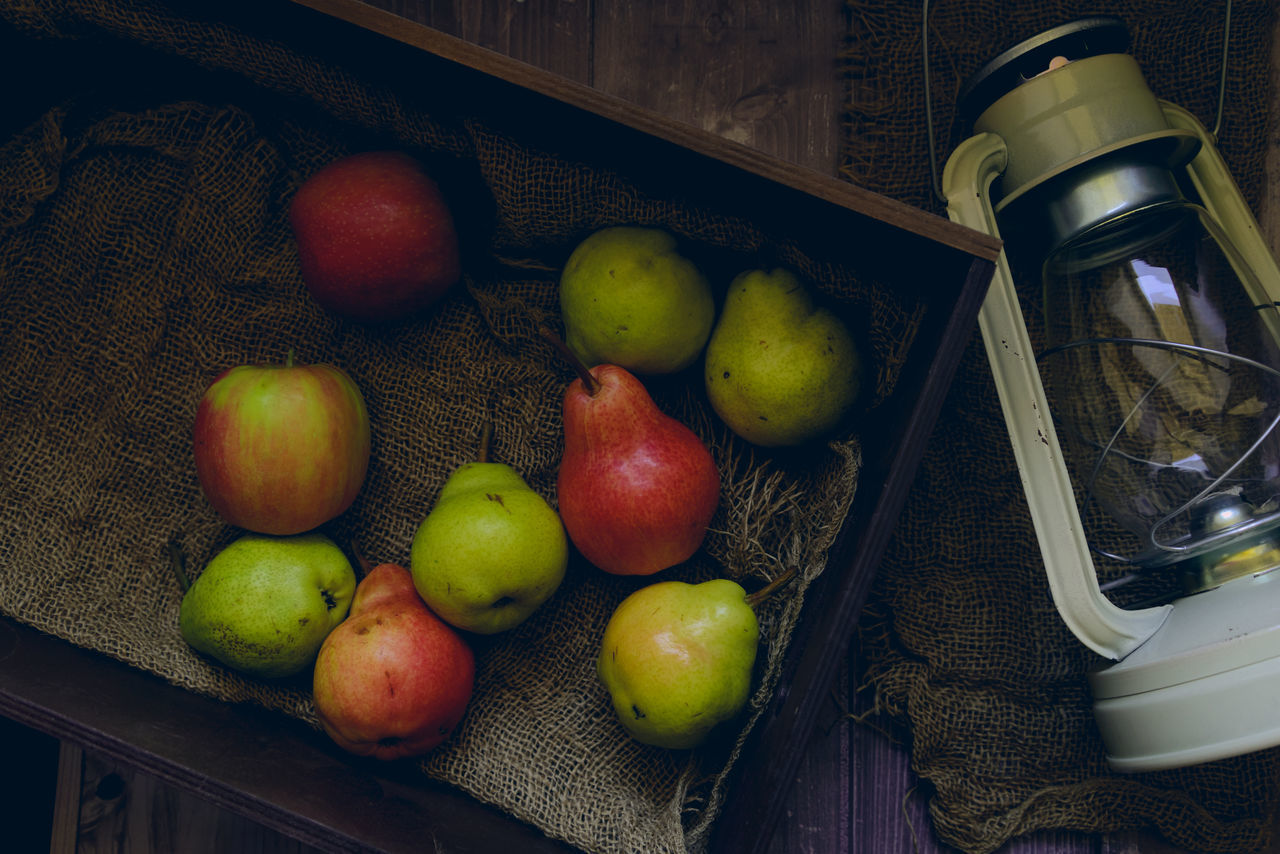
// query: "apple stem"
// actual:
[[486, 438], [288, 358], [362, 564], [754, 599], [179, 564], [589, 382]]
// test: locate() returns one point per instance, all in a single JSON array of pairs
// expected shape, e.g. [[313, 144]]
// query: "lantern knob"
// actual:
[[1220, 512], [1093, 36]]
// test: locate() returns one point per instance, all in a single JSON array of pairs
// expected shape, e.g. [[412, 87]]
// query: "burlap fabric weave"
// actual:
[[961, 642], [150, 152]]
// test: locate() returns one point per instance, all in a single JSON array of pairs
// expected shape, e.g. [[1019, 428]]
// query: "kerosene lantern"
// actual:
[[1149, 409]]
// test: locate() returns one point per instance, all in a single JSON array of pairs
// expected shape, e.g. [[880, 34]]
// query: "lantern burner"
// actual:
[[1238, 540]]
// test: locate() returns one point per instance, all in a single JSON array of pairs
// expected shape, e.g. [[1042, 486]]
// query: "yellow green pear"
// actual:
[[779, 369], [265, 604], [677, 659], [629, 298], [490, 551]]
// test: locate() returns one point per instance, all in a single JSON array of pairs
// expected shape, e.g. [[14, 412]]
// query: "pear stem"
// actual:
[[486, 439], [589, 382], [179, 564], [754, 599], [362, 563]]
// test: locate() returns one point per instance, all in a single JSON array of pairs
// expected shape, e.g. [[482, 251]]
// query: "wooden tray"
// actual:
[[294, 780]]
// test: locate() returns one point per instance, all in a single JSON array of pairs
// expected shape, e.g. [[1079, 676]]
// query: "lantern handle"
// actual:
[[928, 108], [1222, 73], [1099, 624]]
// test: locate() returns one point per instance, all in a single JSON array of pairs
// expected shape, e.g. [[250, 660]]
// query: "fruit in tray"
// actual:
[[376, 238], [628, 298], [677, 659], [636, 488], [281, 449], [264, 605], [393, 680], [491, 550], [780, 370]]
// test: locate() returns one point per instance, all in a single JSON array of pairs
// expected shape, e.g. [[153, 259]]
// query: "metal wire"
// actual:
[[1211, 358], [928, 109], [1222, 78]]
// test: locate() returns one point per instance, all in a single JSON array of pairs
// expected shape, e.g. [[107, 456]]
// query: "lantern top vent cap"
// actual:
[[1083, 37]]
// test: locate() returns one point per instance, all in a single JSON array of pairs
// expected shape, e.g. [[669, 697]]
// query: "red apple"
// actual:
[[393, 679], [376, 239], [281, 449]]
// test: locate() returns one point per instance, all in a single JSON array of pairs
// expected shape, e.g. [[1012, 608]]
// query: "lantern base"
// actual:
[[1205, 686]]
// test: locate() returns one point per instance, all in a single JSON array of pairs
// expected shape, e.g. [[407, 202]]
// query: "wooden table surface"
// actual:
[[763, 74]]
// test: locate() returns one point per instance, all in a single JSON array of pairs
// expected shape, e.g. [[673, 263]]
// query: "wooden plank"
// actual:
[[554, 35], [816, 815], [240, 758], [765, 75], [762, 74], [66, 802], [682, 137], [110, 808]]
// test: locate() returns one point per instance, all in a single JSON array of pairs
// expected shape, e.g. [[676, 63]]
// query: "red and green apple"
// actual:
[[281, 449]]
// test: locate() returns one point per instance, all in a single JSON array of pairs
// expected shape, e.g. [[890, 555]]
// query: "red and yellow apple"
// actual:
[[393, 679], [375, 236], [281, 449]]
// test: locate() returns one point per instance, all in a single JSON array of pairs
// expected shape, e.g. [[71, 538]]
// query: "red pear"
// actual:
[[393, 679], [637, 488]]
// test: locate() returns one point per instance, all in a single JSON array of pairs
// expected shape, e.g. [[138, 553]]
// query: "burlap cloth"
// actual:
[[149, 155], [961, 644]]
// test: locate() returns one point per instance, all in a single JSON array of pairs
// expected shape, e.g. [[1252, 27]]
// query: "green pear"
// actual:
[[780, 370], [490, 551], [628, 298], [265, 604], [676, 659]]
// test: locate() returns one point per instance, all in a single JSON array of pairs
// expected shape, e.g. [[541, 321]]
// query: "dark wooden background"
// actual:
[[763, 74]]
